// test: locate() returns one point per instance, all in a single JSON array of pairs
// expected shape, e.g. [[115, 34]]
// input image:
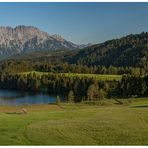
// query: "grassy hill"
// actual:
[[76, 124]]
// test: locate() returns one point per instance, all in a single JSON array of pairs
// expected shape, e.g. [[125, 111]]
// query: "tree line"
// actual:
[[132, 86], [75, 88], [11, 66]]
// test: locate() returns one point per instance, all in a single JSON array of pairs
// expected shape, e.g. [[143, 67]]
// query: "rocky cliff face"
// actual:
[[27, 39]]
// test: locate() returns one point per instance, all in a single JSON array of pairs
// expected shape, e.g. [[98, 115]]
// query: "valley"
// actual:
[[66, 90], [73, 73]]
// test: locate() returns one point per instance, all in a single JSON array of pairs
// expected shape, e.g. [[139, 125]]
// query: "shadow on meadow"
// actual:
[[140, 106], [14, 113]]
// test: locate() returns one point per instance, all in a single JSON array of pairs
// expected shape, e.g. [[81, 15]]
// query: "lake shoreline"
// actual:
[[15, 98]]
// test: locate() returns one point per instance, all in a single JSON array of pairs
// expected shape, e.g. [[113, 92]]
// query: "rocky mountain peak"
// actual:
[[28, 38], [58, 37]]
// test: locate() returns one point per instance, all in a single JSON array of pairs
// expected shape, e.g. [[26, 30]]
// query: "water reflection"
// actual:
[[9, 97]]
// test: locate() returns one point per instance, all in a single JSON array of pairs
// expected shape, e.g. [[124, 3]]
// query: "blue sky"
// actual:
[[78, 22]]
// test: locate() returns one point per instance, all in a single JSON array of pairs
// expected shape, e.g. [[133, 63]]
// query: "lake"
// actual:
[[9, 97]]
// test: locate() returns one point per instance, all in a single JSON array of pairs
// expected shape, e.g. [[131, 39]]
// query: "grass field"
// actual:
[[95, 76], [76, 124]]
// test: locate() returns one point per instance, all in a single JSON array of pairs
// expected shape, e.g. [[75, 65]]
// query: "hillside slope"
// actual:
[[131, 50]]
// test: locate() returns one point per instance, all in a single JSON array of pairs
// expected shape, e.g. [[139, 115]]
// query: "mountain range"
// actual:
[[23, 39]]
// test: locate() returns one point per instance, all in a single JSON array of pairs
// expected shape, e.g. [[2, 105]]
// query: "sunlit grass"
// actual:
[[104, 77], [76, 124]]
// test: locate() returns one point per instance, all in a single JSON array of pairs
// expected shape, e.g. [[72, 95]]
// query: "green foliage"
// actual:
[[12, 66], [132, 85]]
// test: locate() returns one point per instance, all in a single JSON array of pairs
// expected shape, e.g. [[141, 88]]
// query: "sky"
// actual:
[[80, 23]]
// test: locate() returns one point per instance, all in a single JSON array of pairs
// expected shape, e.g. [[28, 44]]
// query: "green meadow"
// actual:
[[107, 123], [105, 77]]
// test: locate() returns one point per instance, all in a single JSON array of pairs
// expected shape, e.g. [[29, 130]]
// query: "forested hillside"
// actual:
[[131, 50]]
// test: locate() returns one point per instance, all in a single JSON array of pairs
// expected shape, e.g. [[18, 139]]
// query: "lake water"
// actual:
[[9, 97]]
